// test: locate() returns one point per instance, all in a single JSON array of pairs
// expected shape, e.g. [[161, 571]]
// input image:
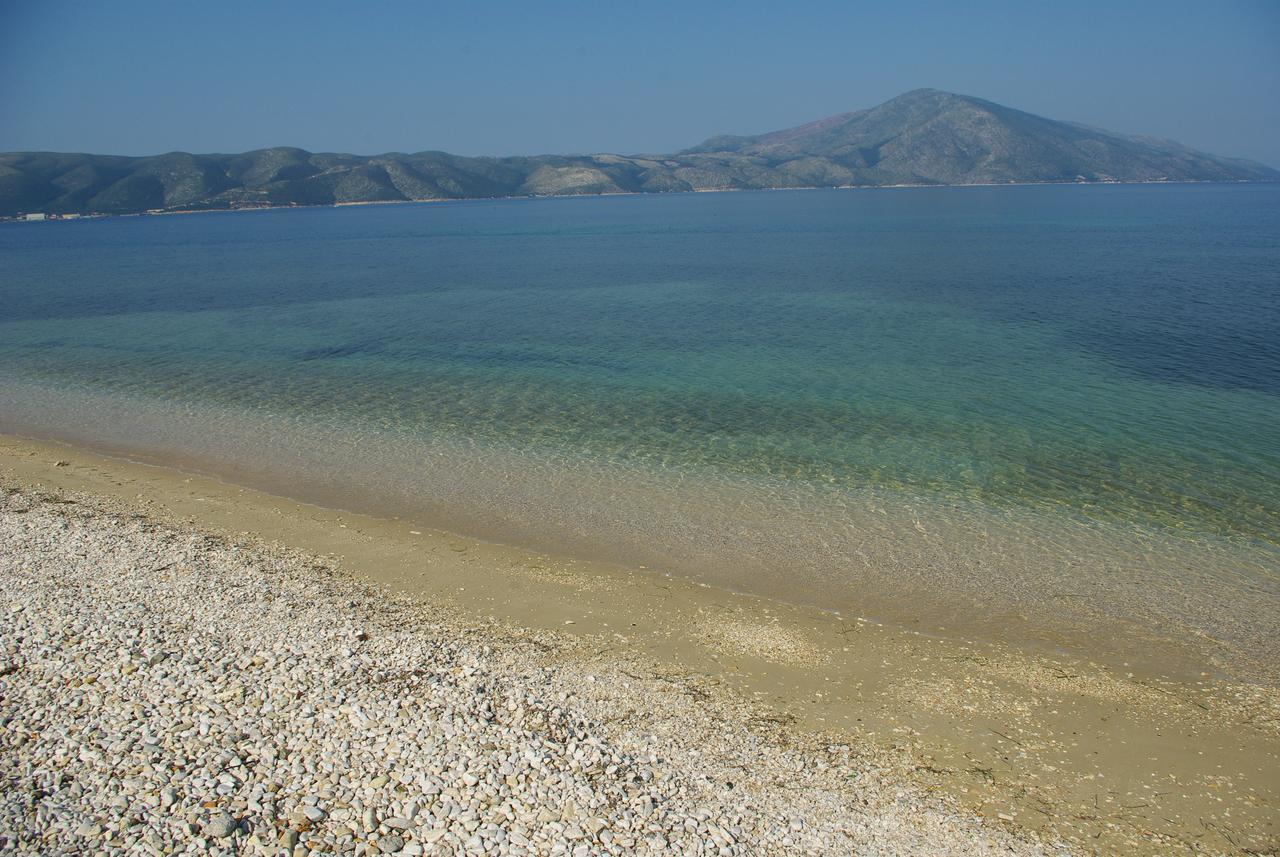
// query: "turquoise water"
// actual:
[[752, 384]]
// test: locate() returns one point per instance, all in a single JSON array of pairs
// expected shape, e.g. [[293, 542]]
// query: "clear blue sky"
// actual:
[[531, 77]]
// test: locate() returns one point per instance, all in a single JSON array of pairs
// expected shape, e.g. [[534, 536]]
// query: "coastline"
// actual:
[[161, 212], [983, 724], [970, 574]]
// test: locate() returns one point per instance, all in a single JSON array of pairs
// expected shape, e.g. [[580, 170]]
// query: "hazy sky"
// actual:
[[531, 77]]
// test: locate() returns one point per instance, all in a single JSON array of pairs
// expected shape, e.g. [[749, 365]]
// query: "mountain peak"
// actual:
[[922, 92]]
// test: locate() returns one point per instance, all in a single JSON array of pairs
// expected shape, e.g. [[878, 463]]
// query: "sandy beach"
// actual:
[[193, 664], [610, 440]]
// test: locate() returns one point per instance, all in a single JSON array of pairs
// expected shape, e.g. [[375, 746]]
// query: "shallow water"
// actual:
[[1054, 406]]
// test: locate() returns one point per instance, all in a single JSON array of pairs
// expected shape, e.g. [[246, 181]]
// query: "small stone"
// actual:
[[220, 825], [391, 843]]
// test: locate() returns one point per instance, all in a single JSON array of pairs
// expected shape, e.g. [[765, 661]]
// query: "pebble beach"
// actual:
[[169, 690]]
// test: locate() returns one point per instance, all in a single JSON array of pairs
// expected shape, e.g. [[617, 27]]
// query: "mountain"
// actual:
[[923, 137], [932, 137]]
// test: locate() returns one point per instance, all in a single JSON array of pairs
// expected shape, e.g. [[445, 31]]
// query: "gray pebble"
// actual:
[[220, 825]]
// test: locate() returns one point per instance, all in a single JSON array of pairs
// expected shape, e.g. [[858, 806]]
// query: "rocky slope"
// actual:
[[922, 137]]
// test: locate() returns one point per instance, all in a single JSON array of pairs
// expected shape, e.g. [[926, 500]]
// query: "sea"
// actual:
[[1047, 414]]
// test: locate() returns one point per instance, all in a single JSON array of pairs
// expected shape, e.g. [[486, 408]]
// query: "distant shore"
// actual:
[[1037, 745], [96, 215]]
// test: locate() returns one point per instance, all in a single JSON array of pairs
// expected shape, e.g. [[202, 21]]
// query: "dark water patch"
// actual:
[[332, 352]]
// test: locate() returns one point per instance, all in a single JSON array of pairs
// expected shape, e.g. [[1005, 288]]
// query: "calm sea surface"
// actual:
[[1055, 408]]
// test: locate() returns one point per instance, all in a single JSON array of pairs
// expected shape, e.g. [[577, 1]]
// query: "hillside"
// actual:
[[922, 137]]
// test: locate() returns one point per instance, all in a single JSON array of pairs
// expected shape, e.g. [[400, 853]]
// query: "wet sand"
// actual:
[[1110, 758]]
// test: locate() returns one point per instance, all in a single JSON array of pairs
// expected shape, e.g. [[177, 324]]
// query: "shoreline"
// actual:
[[981, 723], [1118, 620], [96, 215], [242, 698]]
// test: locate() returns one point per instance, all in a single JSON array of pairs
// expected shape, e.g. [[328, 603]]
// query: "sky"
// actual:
[[499, 78]]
